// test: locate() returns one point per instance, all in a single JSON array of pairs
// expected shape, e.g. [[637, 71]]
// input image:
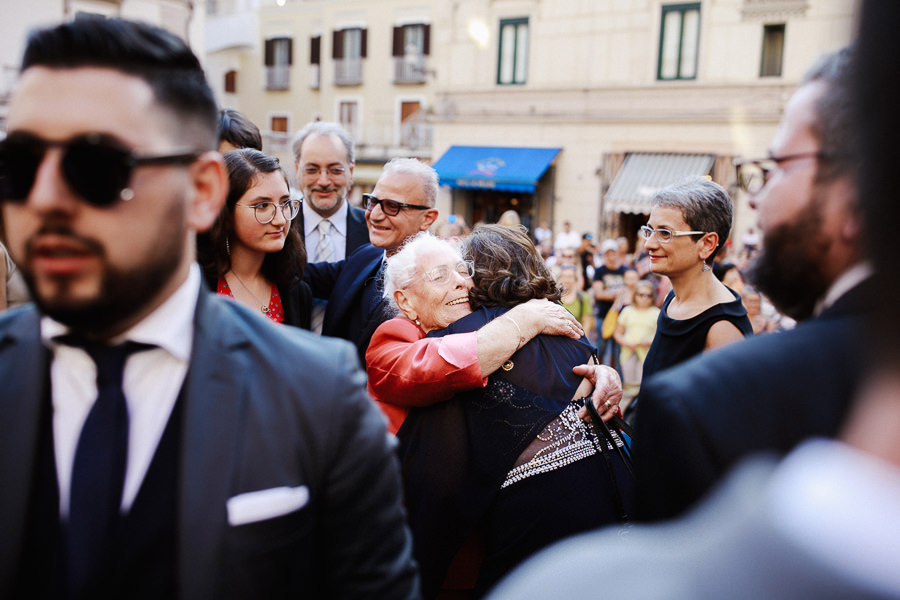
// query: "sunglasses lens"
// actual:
[[96, 171], [19, 162]]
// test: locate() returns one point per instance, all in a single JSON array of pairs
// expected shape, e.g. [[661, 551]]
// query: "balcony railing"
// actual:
[[348, 71], [315, 72], [278, 77], [409, 69]]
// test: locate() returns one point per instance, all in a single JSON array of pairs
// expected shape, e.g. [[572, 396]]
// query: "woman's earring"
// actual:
[[416, 321], [228, 245], [705, 267]]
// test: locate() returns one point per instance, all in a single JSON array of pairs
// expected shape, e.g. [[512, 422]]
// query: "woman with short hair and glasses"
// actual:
[[689, 223], [254, 254], [503, 462]]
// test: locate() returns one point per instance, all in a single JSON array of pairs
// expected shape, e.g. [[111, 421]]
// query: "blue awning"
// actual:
[[489, 167]]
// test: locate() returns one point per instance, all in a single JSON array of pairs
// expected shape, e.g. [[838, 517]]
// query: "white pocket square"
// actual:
[[256, 506]]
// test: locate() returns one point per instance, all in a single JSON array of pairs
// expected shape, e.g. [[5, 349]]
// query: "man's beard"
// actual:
[[789, 268], [122, 294]]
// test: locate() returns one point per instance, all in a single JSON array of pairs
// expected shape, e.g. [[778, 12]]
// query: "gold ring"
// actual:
[[608, 404]]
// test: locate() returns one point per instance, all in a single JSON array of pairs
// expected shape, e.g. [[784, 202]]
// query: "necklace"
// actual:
[[263, 307]]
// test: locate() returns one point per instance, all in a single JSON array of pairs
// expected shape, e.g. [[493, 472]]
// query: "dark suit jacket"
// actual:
[[249, 424], [768, 392], [357, 231], [347, 285]]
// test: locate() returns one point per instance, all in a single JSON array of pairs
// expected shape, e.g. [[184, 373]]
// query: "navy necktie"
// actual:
[[98, 472]]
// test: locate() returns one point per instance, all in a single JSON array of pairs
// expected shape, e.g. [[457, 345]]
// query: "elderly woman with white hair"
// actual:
[[506, 458]]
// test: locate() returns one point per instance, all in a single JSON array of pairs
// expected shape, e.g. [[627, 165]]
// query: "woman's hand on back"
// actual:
[[546, 317]]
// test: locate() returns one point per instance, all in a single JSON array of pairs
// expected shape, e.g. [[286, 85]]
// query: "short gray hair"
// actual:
[[323, 128], [706, 206], [403, 267], [412, 166]]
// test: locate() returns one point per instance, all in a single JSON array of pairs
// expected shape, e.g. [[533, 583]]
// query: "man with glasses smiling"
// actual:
[[400, 206], [329, 226], [770, 392], [157, 441]]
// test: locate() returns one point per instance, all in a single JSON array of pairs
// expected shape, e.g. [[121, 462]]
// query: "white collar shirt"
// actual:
[[151, 383], [845, 282], [338, 220]]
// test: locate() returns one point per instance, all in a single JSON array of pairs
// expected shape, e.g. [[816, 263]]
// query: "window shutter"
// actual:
[[290, 51], [397, 48], [270, 53], [315, 49], [362, 43], [337, 45], [426, 40]]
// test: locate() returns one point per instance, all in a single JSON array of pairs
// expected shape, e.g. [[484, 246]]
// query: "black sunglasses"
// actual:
[[96, 167], [390, 207]]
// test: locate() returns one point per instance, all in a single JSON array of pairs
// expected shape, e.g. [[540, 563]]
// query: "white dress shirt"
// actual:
[[151, 383], [338, 232]]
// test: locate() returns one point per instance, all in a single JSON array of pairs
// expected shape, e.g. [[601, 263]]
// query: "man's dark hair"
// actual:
[[835, 125], [508, 268], [282, 268], [158, 57], [238, 130]]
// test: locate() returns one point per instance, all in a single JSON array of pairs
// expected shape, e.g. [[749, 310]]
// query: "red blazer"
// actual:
[[406, 369]]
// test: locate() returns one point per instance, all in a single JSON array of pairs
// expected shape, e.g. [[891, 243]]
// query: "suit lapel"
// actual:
[[353, 286], [23, 361], [214, 401]]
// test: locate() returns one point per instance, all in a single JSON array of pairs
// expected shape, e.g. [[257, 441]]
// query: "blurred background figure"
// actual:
[[510, 218], [452, 228], [635, 329], [543, 234], [753, 302], [13, 290], [609, 277], [567, 239], [574, 299], [236, 130], [586, 258]]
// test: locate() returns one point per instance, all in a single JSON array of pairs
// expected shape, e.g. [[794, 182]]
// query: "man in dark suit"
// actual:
[[400, 206], [330, 227], [157, 441], [770, 392]]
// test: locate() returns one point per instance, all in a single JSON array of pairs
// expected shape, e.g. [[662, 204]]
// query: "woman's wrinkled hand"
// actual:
[[607, 390], [550, 318]]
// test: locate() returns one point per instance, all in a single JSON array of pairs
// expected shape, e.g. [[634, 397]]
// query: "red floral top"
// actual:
[[275, 311]]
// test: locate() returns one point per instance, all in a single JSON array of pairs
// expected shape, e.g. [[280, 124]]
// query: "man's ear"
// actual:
[[210, 189], [405, 306], [428, 218]]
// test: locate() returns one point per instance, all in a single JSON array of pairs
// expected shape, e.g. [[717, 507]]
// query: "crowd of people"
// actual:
[[225, 387]]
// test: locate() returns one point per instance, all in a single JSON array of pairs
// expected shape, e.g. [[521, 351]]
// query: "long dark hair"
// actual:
[[282, 268], [508, 268]]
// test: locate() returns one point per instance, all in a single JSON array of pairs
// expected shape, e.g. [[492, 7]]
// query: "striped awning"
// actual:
[[642, 174]]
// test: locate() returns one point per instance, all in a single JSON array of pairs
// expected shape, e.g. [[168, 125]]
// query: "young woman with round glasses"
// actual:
[[688, 225], [255, 254]]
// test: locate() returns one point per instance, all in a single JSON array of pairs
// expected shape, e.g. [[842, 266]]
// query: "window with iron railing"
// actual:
[[278, 59], [348, 51], [410, 47]]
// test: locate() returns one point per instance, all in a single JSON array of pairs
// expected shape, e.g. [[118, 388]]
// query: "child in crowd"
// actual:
[[634, 334]]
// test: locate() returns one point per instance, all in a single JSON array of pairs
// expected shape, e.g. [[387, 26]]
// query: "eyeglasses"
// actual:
[[753, 174], [390, 207], [265, 211], [664, 236], [643, 295], [96, 167], [441, 275], [333, 172]]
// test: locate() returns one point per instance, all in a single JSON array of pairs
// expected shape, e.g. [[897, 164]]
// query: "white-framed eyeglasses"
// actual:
[[441, 275], [664, 236], [265, 211]]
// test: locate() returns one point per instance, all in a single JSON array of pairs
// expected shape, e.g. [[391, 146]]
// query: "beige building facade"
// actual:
[[635, 94], [182, 17], [366, 65]]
